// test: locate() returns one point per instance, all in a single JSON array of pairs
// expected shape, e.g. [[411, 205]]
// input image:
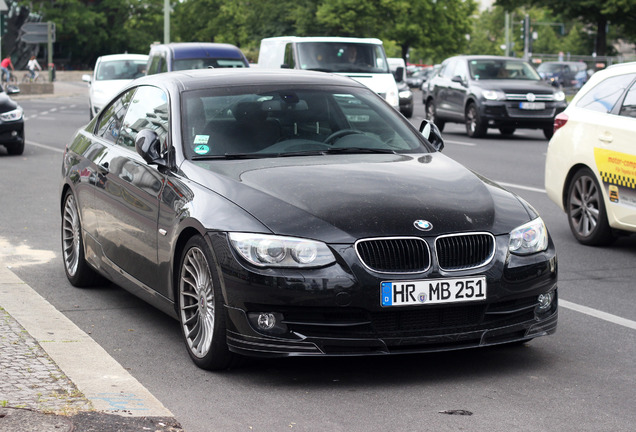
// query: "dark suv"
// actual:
[[492, 92]]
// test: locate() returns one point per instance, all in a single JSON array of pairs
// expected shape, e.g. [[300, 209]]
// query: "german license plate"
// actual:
[[532, 105], [433, 291]]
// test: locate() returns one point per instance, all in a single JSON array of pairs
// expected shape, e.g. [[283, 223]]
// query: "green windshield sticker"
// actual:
[[201, 139], [201, 149]]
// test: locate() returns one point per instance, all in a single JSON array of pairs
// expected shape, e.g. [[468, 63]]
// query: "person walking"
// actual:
[[5, 65], [32, 65]]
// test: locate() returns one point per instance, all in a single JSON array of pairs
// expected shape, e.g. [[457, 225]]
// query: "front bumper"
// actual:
[[509, 114], [336, 310]]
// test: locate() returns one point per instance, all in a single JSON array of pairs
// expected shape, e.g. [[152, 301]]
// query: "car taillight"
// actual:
[[560, 121]]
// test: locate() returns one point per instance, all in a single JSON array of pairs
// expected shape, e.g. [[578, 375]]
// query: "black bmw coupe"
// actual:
[[288, 213]]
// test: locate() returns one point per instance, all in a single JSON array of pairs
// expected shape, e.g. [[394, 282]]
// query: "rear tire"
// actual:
[[78, 272], [201, 307], [475, 126], [586, 210]]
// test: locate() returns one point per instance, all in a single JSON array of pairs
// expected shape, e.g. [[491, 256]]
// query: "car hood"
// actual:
[[341, 198]]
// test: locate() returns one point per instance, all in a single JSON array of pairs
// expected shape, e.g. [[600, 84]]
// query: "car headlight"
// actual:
[[559, 96], [405, 94], [277, 251], [13, 115], [492, 94], [529, 238]]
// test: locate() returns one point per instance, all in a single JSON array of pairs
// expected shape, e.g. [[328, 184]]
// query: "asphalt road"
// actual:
[[583, 378]]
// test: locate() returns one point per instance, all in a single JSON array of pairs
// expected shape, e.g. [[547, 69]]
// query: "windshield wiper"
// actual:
[[338, 150], [232, 156]]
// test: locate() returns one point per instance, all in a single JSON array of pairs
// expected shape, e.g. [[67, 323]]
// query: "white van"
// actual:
[[362, 59]]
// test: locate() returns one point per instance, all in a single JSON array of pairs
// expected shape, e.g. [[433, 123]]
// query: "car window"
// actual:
[[486, 69], [268, 121], [109, 123], [289, 56], [120, 69], [448, 69], [208, 62], [342, 57], [603, 96], [461, 70], [628, 107], [148, 109]]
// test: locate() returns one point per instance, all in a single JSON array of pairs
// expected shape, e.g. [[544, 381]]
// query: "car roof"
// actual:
[[301, 39], [487, 57], [110, 57], [187, 50], [231, 77]]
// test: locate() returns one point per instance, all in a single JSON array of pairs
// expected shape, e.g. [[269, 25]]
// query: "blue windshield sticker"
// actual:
[[201, 149]]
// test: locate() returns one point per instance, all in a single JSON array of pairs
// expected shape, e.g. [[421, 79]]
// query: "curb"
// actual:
[[103, 381]]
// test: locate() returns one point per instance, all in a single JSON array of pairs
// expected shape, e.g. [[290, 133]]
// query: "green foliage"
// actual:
[[424, 31]]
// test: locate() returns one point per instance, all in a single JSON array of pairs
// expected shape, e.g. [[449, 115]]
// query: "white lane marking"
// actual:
[[46, 147], [467, 144], [598, 314]]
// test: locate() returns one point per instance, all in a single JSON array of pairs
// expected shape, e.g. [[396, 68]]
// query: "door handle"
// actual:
[[606, 137]]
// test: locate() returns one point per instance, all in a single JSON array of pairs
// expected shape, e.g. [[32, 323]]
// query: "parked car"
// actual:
[[591, 160], [295, 213], [11, 122], [398, 69], [419, 77], [194, 55], [111, 74], [569, 75], [492, 92]]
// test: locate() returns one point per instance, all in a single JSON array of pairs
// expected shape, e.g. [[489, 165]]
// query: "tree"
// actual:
[[597, 13]]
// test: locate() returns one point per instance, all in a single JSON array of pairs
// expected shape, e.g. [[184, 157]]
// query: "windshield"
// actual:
[[498, 69], [120, 69], [342, 57], [205, 63], [283, 121]]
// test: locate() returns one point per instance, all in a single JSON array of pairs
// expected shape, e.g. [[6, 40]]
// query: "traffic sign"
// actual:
[[35, 27], [37, 32], [34, 38]]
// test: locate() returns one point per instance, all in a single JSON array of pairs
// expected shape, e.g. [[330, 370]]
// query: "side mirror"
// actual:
[[148, 146], [86, 78], [432, 134], [399, 74], [458, 79]]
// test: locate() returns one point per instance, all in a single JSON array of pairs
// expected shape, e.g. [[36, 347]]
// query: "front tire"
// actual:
[[78, 272], [586, 210], [201, 307], [475, 126], [431, 114]]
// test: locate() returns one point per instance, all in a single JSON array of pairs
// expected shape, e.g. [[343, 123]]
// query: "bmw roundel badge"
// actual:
[[423, 225]]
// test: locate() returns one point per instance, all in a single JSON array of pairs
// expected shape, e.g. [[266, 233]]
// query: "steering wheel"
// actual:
[[339, 134]]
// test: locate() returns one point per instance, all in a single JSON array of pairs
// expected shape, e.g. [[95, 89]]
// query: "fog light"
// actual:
[[545, 301], [266, 321]]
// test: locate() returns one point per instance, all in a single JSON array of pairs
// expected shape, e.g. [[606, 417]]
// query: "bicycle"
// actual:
[[12, 80], [26, 78]]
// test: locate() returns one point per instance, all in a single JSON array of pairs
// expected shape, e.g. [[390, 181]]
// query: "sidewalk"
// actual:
[[54, 377]]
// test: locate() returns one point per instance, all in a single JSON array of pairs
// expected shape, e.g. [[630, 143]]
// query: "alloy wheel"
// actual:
[[71, 236], [196, 300], [584, 206]]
